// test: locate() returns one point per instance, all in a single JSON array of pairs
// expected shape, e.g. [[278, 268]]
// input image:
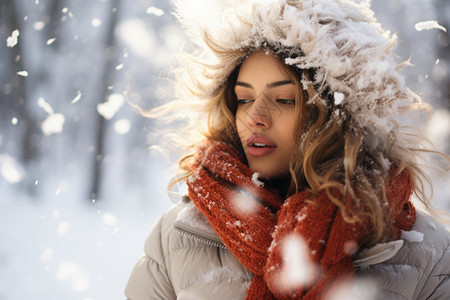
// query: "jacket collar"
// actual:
[[192, 222], [377, 254]]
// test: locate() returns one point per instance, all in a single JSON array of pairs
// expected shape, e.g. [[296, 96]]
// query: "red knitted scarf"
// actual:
[[297, 248]]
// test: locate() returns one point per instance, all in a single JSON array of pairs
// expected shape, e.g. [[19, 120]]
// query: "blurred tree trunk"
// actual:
[[12, 89], [443, 12], [111, 60]]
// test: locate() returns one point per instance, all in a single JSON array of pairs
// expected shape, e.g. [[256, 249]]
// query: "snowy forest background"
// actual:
[[79, 187]]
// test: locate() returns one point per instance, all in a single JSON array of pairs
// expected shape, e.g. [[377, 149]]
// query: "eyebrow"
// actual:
[[269, 85]]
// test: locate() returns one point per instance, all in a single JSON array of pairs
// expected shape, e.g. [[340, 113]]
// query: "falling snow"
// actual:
[[122, 126], [438, 128], [39, 25], [54, 122], [50, 41], [427, 25], [22, 73], [74, 274], [63, 227], [297, 269], [137, 36], [155, 11], [77, 98], [109, 108], [354, 290], [10, 170], [243, 201], [12, 40], [109, 219], [96, 22], [47, 255]]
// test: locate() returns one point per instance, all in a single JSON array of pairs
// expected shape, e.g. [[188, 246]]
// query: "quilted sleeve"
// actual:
[[437, 285], [149, 279]]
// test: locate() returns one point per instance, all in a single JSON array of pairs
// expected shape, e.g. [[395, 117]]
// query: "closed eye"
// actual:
[[286, 101], [243, 101]]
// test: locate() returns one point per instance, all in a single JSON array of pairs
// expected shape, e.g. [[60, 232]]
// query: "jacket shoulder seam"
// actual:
[[440, 275], [438, 262], [397, 264], [184, 248], [162, 264], [154, 260]]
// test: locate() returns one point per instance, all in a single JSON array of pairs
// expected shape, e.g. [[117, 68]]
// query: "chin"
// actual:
[[270, 174]]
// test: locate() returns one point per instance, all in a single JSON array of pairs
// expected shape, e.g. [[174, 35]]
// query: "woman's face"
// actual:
[[266, 115]]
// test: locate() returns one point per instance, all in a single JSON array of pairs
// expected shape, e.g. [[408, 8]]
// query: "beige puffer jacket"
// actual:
[[185, 259]]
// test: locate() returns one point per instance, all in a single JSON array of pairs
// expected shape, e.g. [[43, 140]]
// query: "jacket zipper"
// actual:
[[358, 262], [200, 238]]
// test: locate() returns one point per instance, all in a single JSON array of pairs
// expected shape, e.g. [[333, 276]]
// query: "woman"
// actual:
[[302, 187]]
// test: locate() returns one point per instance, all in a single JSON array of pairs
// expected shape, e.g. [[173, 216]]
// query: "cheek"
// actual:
[[288, 123], [240, 122]]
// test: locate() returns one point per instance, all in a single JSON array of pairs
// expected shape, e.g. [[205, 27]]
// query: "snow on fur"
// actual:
[[340, 39]]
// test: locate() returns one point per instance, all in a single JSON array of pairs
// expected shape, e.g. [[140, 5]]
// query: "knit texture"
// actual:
[[258, 226]]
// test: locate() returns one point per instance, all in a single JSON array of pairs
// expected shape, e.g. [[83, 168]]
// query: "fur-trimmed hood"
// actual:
[[339, 39]]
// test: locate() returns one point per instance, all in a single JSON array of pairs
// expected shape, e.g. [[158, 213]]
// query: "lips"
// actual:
[[260, 146]]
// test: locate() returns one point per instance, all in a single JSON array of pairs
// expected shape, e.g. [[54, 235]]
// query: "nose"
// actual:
[[259, 113]]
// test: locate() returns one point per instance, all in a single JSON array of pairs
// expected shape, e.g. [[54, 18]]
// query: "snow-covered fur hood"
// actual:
[[340, 39]]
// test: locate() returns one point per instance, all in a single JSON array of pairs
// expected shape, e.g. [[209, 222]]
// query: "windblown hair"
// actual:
[[353, 146], [333, 153]]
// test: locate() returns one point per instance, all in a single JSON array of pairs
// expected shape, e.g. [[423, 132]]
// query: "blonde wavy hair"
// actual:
[[334, 152], [354, 147]]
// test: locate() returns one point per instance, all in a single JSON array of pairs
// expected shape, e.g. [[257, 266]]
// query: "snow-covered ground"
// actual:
[[59, 242], [59, 250]]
